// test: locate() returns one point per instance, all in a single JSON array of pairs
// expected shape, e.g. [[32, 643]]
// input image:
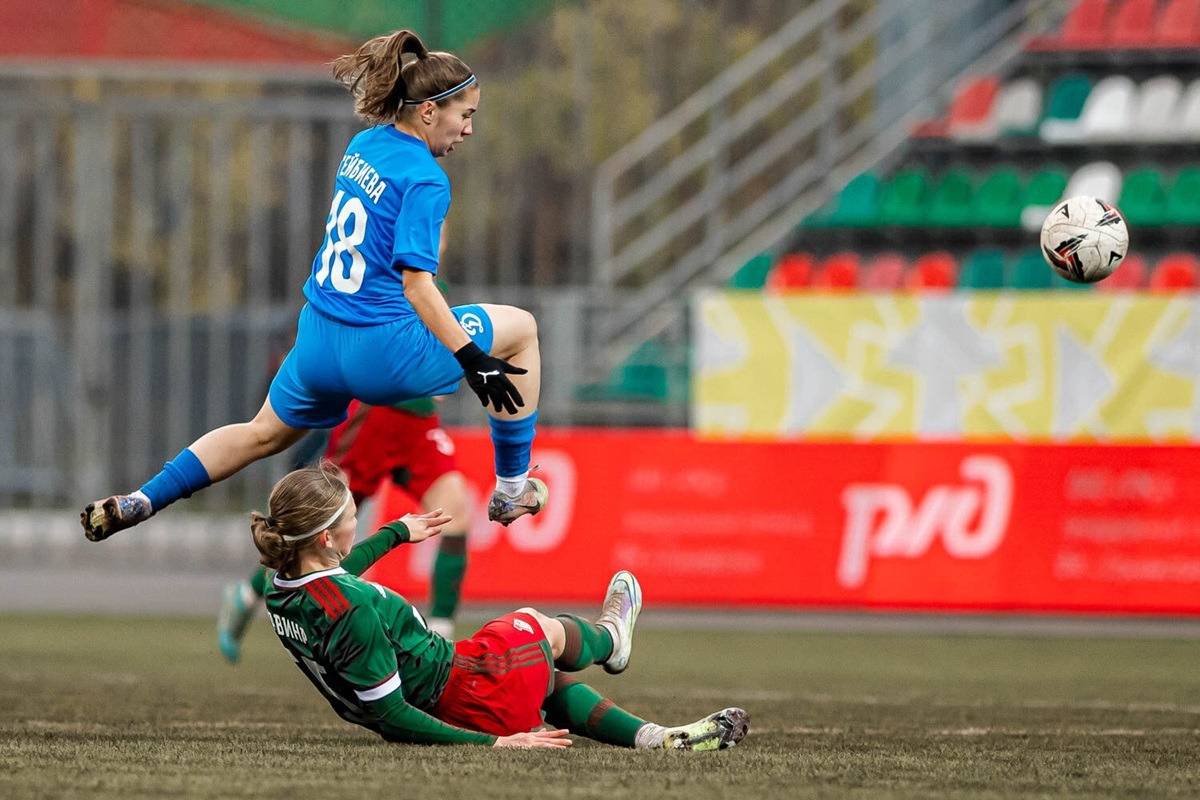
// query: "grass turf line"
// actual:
[[108, 707]]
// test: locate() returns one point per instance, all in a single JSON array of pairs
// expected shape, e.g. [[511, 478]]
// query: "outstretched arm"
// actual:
[[409, 528]]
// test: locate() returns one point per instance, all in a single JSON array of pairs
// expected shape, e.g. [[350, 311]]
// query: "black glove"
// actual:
[[488, 377]]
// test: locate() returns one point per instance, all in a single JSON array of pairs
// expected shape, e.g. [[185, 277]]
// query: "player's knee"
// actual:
[[533, 612], [524, 326]]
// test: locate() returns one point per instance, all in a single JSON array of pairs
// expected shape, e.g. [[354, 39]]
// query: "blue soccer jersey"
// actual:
[[390, 199]]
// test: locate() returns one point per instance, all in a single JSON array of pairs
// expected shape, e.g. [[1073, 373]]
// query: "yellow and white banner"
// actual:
[[1050, 366]]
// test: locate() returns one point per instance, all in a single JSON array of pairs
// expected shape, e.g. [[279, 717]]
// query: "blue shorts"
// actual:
[[333, 363]]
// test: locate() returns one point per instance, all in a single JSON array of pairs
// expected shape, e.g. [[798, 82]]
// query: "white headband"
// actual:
[[442, 95], [324, 526]]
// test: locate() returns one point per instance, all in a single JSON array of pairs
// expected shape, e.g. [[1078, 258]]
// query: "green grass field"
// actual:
[[118, 707]]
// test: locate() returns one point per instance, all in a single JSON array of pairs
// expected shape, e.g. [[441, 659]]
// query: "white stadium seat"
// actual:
[[1108, 111], [1187, 118], [1098, 179], [1154, 112], [1019, 107]]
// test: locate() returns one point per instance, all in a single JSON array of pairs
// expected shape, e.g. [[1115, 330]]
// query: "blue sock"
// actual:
[[512, 440], [180, 477]]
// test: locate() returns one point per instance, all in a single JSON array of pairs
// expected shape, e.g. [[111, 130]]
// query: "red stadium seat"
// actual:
[[1132, 24], [972, 106], [1130, 275], [1086, 25], [838, 272], [884, 273], [794, 271], [1175, 272], [933, 272], [1178, 24]]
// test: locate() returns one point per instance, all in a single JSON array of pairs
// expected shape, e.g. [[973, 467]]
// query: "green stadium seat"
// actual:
[[752, 274], [983, 269], [1045, 189], [1000, 198], [1183, 199], [952, 202], [905, 198], [646, 375], [1031, 272], [1064, 104], [1143, 199], [858, 203]]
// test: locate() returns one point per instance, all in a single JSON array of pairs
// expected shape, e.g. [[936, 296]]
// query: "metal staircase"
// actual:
[[733, 169]]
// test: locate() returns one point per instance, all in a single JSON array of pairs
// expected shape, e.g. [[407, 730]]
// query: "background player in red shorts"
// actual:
[[370, 654], [407, 445]]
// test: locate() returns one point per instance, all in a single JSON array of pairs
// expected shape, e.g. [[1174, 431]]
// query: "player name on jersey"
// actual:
[[285, 627], [358, 170]]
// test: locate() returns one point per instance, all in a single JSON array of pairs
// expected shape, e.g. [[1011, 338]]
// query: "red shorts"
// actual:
[[376, 442], [500, 678]]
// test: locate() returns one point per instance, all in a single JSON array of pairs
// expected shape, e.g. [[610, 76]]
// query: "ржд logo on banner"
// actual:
[[882, 521]]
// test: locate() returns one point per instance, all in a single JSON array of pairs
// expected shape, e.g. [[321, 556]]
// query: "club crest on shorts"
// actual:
[[472, 324]]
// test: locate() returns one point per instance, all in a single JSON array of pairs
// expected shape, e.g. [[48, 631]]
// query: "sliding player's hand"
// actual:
[[535, 739], [423, 526], [488, 378]]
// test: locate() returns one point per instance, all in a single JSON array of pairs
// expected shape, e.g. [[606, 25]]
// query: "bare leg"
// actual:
[[230, 449], [213, 457], [515, 340]]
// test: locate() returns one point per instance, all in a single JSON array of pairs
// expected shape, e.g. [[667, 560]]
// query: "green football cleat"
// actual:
[[622, 605], [504, 509], [232, 621], [717, 731]]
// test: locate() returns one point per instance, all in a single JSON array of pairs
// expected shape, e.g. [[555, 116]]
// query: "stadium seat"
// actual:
[[838, 272], [1132, 24], [983, 269], [884, 273], [858, 203], [1129, 276], [1186, 124], [1065, 100], [1031, 272], [905, 198], [952, 200], [752, 274], [1178, 24], [937, 271], [1100, 179], [793, 271], [1086, 25], [970, 116], [1143, 199], [1156, 110], [1108, 111], [1000, 199], [1045, 189], [1018, 108], [1174, 272], [1183, 199]]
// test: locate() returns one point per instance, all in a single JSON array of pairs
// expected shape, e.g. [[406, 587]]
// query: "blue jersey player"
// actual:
[[375, 327]]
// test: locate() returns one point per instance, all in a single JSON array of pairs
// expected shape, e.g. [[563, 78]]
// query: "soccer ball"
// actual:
[[1084, 239]]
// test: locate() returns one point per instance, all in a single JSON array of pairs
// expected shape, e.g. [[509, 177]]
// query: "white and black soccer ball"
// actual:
[[1084, 239]]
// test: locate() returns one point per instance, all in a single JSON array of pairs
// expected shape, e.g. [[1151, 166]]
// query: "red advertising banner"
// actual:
[[918, 525]]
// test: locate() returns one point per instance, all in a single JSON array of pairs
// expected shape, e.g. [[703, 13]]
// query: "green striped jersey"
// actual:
[[358, 642]]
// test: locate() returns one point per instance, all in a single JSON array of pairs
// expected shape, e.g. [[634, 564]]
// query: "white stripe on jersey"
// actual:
[[284, 583], [382, 690]]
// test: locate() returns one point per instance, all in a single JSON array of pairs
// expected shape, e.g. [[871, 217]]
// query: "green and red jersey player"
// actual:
[[370, 653]]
